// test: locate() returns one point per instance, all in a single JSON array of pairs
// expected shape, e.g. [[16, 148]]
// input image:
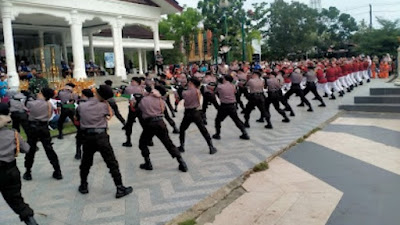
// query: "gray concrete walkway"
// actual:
[[163, 193]]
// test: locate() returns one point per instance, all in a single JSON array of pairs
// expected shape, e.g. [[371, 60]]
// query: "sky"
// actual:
[[359, 9]]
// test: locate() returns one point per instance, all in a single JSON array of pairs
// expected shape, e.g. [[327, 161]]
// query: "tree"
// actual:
[[181, 28], [378, 41]]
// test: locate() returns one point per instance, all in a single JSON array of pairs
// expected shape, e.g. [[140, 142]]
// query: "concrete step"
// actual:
[[383, 108], [377, 99], [385, 91]]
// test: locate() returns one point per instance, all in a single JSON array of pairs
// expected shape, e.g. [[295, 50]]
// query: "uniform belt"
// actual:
[[257, 93], [39, 122], [8, 165], [154, 119], [192, 110], [95, 130], [273, 91], [227, 104]]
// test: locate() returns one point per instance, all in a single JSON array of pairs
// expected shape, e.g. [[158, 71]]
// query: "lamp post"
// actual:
[[225, 4], [243, 40]]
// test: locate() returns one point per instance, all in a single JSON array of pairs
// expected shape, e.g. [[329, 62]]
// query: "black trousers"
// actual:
[[10, 188], [65, 112], [180, 96], [168, 102], [256, 100], [209, 97], [241, 91], [158, 129], [114, 107], [101, 143], [160, 67], [20, 119], [131, 120], [274, 98], [296, 89], [224, 111], [193, 116], [311, 86], [40, 132], [169, 119]]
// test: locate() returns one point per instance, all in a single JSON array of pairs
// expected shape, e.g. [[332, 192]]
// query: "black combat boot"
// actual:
[[60, 135], [269, 126], [30, 221], [147, 164], [286, 119], [246, 124], [325, 95], [310, 109], [261, 120], [78, 154], [216, 136], [27, 175], [300, 105], [57, 175], [332, 97], [213, 150], [244, 136], [361, 83], [176, 130], [123, 191], [83, 188], [181, 149], [182, 165], [368, 80], [128, 142], [341, 94]]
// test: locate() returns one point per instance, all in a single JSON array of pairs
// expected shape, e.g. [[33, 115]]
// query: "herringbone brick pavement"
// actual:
[[165, 192]]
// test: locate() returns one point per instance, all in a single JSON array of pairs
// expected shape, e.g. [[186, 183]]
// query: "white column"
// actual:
[[140, 61], [65, 49], [41, 39], [91, 48], [145, 61], [77, 46], [156, 37], [120, 69], [6, 14]]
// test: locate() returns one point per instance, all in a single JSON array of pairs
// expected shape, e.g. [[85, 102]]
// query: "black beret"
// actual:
[[71, 85], [136, 79], [105, 92], [195, 81], [257, 73], [148, 89], [4, 109], [48, 93], [108, 82], [88, 93], [228, 78]]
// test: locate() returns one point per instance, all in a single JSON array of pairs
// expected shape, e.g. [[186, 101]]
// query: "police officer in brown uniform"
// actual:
[[180, 83], [86, 94], [67, 99], [242, 89], [114, 106], [159, 86], [274, 97], [40, 111], [256, 99], [226, 93], [136, 91], [93, 116], [210, 83], [11, 144], [296, 77], [193, 115], [18, 110], [152, 107], [311, 77]]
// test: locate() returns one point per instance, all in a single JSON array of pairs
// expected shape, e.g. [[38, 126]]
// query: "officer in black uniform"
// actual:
[[40, 111], [114, 106], [194, 115], [11, 144], [68, 99], [93, 116], [86, 94]]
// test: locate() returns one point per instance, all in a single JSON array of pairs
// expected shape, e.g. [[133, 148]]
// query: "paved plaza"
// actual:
[[163, 193]]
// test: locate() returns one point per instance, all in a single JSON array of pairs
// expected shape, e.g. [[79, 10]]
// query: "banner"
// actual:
[[109, 60]]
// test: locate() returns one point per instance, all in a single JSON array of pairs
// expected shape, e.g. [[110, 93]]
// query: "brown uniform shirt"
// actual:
[[17, 103], [255, 85], [134, 89], [296, 78], [152, 106], [311, 76], [192, 98], [273, 84], [66, 95], [211, 83], [8, 145], [38, 110], [93, 113], [242, 78], [226, 93], [181, 80]]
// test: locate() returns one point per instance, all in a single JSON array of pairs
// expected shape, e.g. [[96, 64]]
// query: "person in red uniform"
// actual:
[[331, 78]]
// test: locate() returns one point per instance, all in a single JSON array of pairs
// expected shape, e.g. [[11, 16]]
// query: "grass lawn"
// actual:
[[69, 128]]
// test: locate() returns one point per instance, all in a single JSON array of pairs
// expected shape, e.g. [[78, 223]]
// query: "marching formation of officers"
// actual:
[[149, 103]]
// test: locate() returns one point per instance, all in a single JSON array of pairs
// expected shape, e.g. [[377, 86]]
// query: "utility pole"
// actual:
[[370, 16]]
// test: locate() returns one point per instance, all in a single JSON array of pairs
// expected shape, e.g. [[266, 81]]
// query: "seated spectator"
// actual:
[[3, 87]]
